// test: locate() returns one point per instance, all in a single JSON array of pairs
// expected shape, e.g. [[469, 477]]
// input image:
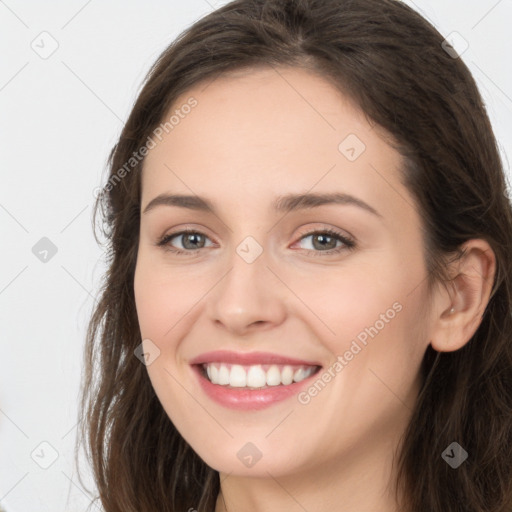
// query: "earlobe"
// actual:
[[461, 309]]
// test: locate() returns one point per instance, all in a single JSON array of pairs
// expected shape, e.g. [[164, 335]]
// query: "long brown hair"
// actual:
[[392, 64]]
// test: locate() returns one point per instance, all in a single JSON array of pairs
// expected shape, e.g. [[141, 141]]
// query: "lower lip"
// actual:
[[247, 399]]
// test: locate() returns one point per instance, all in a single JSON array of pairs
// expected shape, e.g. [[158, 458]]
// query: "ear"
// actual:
[[459, 307]]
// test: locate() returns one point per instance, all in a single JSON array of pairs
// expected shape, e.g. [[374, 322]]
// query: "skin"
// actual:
[[253, 136]]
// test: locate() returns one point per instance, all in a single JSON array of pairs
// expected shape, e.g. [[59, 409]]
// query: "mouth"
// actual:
[[251, 381], [256, 376]]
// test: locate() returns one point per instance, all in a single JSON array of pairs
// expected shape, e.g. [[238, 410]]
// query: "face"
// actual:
[[266, 289]]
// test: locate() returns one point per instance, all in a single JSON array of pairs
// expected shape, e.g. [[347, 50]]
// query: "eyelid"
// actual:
[[336, 232]]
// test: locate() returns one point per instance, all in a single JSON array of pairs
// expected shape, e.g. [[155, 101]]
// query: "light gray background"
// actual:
[[60, 115]]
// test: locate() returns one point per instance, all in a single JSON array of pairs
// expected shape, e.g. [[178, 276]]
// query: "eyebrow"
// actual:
[[286, 203]]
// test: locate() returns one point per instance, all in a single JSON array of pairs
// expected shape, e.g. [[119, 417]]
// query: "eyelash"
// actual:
[[349, 244]]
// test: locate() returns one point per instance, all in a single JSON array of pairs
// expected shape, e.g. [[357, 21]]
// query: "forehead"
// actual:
[[266, 132]]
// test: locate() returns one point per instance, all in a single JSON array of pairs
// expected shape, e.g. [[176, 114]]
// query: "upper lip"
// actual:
[[248, 358]]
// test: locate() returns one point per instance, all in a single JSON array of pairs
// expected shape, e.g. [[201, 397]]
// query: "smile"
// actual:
[[250, 381], [259, 376]]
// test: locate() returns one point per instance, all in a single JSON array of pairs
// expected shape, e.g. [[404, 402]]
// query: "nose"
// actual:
[[248, 298]]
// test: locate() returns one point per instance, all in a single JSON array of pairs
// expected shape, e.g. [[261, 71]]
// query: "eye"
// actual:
[[192, 241], [327, 239]]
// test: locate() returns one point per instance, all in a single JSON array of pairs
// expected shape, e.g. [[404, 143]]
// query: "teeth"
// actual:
[[273, 376], [287, 375], [256, 376], [237, 377], [223, 378], [298, 375]]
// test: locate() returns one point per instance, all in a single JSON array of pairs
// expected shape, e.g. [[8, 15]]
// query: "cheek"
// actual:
[[342, 302], [160, 305], [371, 317], [162, 298]]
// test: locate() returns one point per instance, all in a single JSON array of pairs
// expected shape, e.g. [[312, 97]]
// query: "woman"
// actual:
[[308, 304]]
